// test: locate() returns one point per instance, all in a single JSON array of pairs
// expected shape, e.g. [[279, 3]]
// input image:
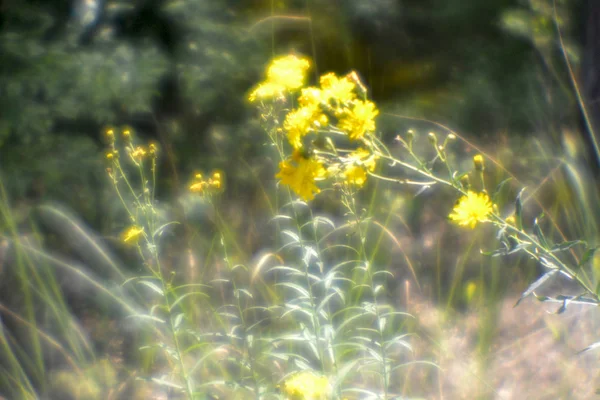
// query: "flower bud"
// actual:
[[478, 162], [432, 139]]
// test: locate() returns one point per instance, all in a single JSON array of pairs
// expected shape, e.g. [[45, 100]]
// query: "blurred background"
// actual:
[[495, 72]]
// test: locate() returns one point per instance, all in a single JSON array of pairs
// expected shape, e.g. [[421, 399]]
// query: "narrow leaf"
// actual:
[[536, 285]]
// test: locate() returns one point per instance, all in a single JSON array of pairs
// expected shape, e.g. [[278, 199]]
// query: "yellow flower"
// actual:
[[283, 74], [358, 120], [311, 97], [298, 123], [288, 71], [339, 89], [363, 157], [478, 162], [356, 165], [132, 234], [127, 135], [472, 208], [153, 149], [355, 175], [306, 386], [109, 135], [138, 153], [267, 90], [216, 182], [300, 173], [197, 187]]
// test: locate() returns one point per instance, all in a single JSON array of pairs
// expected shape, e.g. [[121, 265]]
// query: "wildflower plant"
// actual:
[[328, 141], [312, 319]]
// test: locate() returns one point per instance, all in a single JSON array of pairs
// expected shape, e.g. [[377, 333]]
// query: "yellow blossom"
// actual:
[[215, 182], [306, 386], [339, 89], [300, 173], [363, 157], [197, 187], [298, 123], [358, 120], [127, 135], [471, 209], [267, 90], [132, 234], [288, 71], [138, 153], [311, 97], [111, 155], [153, 149], [478, 162], [109, 135], [355, 175]]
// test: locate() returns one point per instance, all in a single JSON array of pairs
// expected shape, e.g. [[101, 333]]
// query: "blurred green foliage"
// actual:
[[178, 70]]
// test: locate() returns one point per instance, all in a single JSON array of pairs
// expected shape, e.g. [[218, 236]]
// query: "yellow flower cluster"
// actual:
[[471, 209], [306, 386], [334, 107], [132, 234], [336, 97], [211, 185], [300, 174]]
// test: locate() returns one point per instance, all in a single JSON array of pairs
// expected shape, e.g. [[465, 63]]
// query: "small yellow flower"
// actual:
[[471, 209], [307, 386], [138, 153], [197, 187], [153, 149], [478, 162], [510, 220], [288, 71], [215, 182], [355, 175], [298, 123], [363, 157], [300, 173], [127, 136], [132, 234], [267, 90], [340, 90], [358, 120], [111, 155], [311, 97], [109, 135]]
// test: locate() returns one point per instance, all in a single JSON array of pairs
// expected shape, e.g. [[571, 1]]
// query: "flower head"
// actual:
[[299, 122], [478, 162], [306, 386], [471, 209], [355, 175], [132, 234], [359, 119], [283, 74], [288, 71], [138, 153], [300, 173], [341, 90]]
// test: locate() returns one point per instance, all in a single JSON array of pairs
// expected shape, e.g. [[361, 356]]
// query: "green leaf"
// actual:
[[590, 347], [587, 256], [499, 187], [536, 285], [537, 231], [519, 210], [567, 245], [152, 286]]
